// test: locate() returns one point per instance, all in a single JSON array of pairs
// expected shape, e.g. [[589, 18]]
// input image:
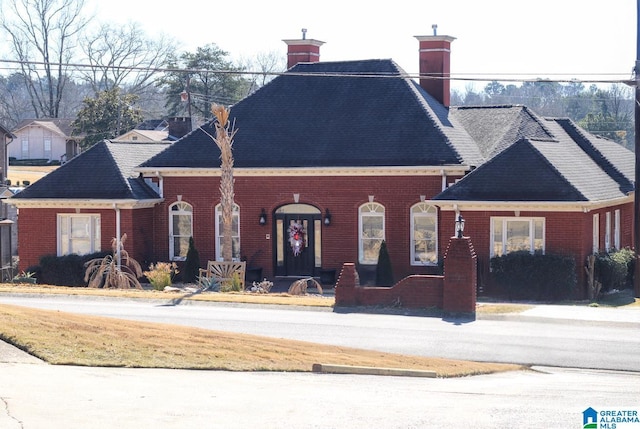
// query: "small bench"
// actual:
[[222, 272]]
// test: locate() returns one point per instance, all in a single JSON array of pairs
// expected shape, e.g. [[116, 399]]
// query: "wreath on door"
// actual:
[[296, 237]]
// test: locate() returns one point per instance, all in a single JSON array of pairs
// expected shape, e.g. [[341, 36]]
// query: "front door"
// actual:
[[297, 240]]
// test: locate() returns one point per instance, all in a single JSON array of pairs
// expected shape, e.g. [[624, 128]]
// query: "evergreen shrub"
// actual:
[[525, 276]]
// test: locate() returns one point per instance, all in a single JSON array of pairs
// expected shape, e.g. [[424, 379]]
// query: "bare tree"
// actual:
[[43, 35], [123, 56], [264, 67]]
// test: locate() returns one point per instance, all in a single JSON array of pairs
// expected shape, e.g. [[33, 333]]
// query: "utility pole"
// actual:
[[636, 195]]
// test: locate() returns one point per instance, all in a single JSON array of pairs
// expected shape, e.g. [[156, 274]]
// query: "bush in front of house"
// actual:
[[384, 270], [614, 270], [67, 270], [525, 276], [191, 263]]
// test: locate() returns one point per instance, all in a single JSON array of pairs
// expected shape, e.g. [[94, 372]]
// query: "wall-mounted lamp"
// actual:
[[327, 217], [263, 218], [459, 226]]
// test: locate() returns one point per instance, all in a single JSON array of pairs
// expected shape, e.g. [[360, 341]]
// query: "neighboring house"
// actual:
[[333, 158], [154, 131], [6, 137], [44, 139]]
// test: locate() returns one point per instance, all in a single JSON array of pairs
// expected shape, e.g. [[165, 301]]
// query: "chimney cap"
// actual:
[[433, 38], [294, 42]]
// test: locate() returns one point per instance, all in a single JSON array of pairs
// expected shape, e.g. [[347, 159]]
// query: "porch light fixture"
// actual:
[[459, 226], [263, 218], [327, 217]]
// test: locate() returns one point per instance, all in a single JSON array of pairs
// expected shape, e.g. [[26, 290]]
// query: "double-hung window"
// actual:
[[235, 233], [512, 234], [424, 234], [371, 232], [180, 230], [78, 233]]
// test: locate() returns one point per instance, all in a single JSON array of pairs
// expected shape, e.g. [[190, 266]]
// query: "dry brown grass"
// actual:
[[17, 174], [233, 297], [69, 339]]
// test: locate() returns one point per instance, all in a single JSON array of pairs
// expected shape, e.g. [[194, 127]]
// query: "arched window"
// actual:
[[235, 227], [371, 232], [180, 230], [424, 234]]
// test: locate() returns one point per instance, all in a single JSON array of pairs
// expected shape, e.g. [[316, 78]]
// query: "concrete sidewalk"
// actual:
[[572, 314]]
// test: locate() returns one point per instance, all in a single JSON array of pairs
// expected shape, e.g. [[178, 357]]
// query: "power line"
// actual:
[[469, 77]]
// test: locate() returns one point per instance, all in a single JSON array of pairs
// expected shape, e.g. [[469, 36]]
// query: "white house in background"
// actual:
[[143, 136], [48, 139], [157, 131]]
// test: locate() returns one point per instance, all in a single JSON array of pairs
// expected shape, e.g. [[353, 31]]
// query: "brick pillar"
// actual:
[[345, 289], [460, 277]]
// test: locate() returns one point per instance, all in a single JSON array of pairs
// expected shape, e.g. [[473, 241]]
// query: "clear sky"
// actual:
[[556, 39]]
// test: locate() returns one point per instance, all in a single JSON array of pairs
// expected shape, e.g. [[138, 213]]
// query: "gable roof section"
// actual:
[[540, 171], [144, 136], [105, 171], [494, 128], [519, 173], [332, 114], [613, 158], [59, 126]]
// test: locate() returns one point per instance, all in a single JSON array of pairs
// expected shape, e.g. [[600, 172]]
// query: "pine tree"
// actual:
[[192, 263], [384, 272]]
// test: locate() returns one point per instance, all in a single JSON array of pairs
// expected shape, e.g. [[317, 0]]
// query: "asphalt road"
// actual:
[[515, 339], [34, 395]]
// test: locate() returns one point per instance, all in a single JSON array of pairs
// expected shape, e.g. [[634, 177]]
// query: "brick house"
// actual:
[[331, 158]]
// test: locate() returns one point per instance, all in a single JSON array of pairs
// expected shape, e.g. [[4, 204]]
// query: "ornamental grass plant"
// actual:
[[161, 274]]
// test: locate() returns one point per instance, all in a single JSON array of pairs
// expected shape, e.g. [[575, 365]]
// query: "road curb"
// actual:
[[366, 370]]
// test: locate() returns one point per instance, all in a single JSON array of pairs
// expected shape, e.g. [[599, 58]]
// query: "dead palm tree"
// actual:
[[224, 139], [107, 273]]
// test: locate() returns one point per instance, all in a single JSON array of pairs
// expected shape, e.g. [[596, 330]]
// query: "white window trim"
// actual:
[[531, 221], [616, 229], [596, 233], [373, 210], [172, 213], [426, 212], [218, 231], [94, 231], [607, 231]]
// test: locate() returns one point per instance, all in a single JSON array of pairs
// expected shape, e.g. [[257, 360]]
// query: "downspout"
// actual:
[[444, 179], [118, 236]]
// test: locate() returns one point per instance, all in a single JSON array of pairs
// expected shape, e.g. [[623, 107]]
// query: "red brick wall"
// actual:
[[417, 291], [37, 232], [566, 233], [339, 241], [455, 292]]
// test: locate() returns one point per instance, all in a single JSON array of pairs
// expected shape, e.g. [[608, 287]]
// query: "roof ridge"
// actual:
[[594, 153], [551, 165], [422, 101], [108, 144]]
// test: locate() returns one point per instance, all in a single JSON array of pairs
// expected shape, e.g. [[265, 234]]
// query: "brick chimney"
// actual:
[[179, 126], [302, 50], [435, 66]]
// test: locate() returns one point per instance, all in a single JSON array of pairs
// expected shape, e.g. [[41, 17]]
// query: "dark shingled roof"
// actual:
[[333, 114], [570, 166], [105, 171], [494, 128]]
